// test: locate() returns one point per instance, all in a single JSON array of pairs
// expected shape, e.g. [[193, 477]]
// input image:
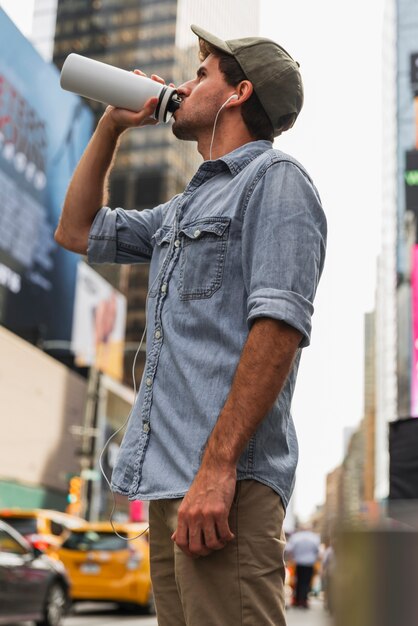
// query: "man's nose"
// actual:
[[185, 89]]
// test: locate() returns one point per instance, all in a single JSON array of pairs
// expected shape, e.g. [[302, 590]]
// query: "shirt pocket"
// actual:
[[202, 260], [162, 238]]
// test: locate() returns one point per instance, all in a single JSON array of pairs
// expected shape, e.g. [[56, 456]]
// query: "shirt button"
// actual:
[[146, 427], [196, 234], [164, 288], [148, 382], [157, 334], [177, 243]]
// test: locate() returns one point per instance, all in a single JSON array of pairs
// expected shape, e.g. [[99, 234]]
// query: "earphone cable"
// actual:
[[162, 270]]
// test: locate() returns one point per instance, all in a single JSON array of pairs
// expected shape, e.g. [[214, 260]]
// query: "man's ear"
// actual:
[[245, 90]]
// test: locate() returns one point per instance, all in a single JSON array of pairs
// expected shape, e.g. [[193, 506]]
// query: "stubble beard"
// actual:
[[191, 126], [183, 129]]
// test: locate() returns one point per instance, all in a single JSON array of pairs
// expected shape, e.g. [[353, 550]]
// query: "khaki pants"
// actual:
[[240, 585]]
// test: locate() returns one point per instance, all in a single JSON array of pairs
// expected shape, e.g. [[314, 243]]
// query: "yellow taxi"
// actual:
[[45, 529], [105, 566]]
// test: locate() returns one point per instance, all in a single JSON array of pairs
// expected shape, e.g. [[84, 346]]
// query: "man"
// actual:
[[234, 265], [303, 549]]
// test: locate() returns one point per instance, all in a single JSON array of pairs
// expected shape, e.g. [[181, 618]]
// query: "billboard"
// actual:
[[98, 323], [414, 361], [43, 132]]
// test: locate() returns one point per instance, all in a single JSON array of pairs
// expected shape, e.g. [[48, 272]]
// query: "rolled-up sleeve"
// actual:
[[119, 236], [283, 247]]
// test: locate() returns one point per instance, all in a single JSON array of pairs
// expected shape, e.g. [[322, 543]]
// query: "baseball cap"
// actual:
[[273, 73]]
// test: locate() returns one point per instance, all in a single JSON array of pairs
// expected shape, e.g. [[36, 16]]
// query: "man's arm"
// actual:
[[87, 191], [265, 363]]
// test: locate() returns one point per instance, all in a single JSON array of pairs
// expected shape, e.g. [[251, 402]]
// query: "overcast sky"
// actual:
[[338, 139]]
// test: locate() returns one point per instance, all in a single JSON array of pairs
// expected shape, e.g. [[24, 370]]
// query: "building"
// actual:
[[396, 352], [155, 37], [51, 425], [43, 403], [332, 506], [350, 486], [406, 196], [43, 27], [397, 289], [369, 420], [386, 314], [352, 477]]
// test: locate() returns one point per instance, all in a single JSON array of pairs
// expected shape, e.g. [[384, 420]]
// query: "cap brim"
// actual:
[[214, 41]]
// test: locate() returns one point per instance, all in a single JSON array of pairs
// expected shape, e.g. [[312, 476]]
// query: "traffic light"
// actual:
[[74, 496]]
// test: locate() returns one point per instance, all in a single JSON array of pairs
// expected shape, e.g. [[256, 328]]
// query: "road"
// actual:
[[104, 615], [108, 615], [101, 615], [314, 616]]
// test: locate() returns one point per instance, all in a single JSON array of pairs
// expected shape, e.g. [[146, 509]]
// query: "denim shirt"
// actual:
[[246, 239]]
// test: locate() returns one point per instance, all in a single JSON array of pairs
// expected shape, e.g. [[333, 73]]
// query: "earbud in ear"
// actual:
[[233, 97]]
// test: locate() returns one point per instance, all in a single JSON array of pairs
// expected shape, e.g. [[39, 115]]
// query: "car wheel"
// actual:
[[55, 605]]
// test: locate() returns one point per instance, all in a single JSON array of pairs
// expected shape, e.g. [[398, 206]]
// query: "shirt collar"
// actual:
[[242, 156], [235, 161]]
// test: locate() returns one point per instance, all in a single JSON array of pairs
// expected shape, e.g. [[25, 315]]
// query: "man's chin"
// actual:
[[181, 131]]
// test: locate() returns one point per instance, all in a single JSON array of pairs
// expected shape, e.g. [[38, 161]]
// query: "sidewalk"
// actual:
[[314, 616]]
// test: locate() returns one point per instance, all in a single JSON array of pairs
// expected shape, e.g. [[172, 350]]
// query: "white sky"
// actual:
[[338, 139]]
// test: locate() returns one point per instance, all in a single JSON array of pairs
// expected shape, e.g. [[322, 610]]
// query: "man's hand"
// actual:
[[121, 119], [203, 515]]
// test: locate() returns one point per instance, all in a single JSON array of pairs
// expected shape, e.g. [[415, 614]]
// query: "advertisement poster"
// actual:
[[414, 302], [43, 132], [98, 324]]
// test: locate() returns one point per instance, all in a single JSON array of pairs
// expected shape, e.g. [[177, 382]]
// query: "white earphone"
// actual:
[[233, 97], [163, 265]]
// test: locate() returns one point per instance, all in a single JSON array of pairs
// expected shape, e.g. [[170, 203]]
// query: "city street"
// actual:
[[315, 616], [106, 614]]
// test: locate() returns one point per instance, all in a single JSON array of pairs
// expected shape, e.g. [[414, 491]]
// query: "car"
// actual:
[[45, 529], [104, 566], [32, 585]]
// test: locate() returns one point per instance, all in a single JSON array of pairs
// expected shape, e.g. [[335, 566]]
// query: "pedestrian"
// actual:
[[235, 262], [303, 547]]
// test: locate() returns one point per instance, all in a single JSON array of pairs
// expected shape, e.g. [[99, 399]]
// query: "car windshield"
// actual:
[[92, 540], [24, 525]]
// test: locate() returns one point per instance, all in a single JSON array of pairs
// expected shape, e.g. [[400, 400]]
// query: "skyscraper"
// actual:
[[396, 346], [43, 27], [386, 332], [154, 36]]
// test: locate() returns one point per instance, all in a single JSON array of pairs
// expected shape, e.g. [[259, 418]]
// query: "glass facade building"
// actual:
[[394, 337], [43, 27], [386, 315], [154, 36]]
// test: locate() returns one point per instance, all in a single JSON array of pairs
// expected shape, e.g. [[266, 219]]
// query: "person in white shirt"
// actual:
[[303, 548]]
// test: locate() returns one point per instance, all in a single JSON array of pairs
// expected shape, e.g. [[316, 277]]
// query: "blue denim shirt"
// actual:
[[246, 239]]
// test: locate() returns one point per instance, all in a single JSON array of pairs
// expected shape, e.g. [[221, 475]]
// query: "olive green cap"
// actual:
[[273, 73]]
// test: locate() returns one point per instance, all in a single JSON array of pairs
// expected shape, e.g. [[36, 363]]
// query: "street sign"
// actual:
[[90, 474]]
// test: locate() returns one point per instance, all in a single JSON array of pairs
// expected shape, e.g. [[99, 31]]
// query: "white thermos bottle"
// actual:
[[120, 88]]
